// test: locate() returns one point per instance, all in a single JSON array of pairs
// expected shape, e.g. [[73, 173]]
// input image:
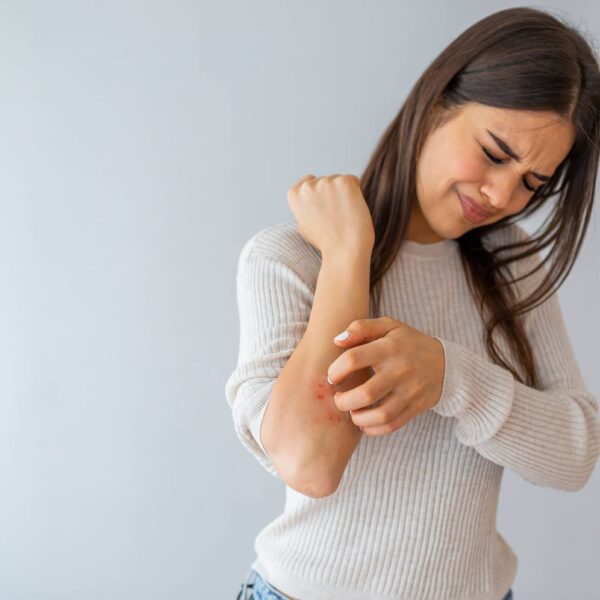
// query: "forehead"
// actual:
[[541, 138]]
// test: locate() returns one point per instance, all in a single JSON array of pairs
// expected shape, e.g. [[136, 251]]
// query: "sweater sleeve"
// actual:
[[274, 305], [551, 435]]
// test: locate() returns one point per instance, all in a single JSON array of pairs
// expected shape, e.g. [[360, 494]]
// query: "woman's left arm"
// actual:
[[550, 436]]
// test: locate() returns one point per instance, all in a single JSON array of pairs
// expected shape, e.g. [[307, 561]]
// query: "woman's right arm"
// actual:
[[308, 439]]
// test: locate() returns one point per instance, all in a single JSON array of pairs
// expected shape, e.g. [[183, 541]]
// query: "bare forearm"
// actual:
[[307, 437]]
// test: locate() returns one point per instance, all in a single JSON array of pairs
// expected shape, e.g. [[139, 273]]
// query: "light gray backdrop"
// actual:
[[142, 144]]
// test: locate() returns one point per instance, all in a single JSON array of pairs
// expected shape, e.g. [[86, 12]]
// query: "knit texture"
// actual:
[[414, 516]]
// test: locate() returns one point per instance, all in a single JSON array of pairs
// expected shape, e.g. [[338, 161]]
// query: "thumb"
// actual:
[[361, 331]]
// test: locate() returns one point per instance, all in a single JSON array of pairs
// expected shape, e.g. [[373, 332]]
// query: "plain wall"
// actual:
[[142, 144]]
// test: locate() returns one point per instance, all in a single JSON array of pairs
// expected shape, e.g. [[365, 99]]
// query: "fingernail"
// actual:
[[342, 336], [329, 380]]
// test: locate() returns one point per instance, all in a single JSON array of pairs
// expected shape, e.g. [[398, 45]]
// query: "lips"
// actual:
[[471, 210]]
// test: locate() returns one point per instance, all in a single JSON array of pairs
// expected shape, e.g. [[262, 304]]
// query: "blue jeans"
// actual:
[[257, 588]]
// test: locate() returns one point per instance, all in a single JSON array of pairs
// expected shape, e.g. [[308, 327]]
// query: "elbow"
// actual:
[[308, 482], [302, 471], [579, 477], [312, 492], [575, 485], [311, 484], [585, 476], [587, 467], [587, 451]]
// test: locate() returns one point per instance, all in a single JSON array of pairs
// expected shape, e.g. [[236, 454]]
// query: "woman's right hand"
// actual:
[[332, 213]]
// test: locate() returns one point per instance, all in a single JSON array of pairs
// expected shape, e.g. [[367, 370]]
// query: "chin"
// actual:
[[449, 231]]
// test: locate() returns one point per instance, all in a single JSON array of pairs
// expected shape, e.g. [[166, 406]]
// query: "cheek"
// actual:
[[466, 168], [519, 202], [445, 166]]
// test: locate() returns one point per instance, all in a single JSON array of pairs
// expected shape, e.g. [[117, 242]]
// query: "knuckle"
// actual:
[[388, 342], [352, 359], [410, 368], [368, 396], [384, 414]]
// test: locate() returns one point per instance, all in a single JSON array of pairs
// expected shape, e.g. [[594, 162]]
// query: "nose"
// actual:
[[500, 188]]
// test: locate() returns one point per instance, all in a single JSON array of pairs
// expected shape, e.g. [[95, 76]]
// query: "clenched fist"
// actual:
[[332, 213]]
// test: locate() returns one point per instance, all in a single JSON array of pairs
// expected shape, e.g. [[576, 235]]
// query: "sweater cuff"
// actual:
[[476, 391], [257, 396]]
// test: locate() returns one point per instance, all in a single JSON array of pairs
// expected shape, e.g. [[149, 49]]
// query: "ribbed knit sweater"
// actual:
[[414, 516]]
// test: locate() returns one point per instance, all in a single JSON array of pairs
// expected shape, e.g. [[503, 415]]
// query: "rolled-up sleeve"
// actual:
[[274, 305]]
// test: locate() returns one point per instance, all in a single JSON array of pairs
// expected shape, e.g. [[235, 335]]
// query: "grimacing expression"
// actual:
[[470, 154]]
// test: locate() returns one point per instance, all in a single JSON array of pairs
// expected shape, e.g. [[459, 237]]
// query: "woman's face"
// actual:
[[453, 163]]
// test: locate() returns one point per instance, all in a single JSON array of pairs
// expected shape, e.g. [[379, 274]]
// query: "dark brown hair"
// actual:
[[518, 58]]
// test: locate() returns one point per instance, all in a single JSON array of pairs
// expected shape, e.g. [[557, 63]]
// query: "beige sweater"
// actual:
[[414, 517]]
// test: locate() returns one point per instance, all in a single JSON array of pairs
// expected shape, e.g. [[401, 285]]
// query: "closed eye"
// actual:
[[501, 161]]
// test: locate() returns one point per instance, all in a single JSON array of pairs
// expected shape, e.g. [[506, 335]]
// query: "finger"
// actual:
[[365, 330], [364, 396], [406, 414], [305, 178], [380, 413], [354, 359]]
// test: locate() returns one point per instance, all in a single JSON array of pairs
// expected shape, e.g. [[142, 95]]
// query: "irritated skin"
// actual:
[[323, 392]]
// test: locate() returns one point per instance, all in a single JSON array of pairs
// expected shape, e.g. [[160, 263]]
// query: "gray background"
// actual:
[[142, 144]]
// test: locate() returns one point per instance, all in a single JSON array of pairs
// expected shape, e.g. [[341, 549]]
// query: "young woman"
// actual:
[[392, 441]]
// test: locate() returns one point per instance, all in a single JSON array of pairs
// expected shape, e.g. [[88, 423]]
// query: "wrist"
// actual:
[[349, 253]]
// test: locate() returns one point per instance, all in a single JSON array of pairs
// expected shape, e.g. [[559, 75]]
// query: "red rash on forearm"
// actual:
[[324, 393]]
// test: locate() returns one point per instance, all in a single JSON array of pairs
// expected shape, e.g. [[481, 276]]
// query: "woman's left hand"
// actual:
[[409, 372]]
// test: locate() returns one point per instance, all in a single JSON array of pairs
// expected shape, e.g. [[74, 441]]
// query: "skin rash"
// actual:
[[323, 392]]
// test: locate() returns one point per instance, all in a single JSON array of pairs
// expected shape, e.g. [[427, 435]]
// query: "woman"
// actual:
[[392, 440]]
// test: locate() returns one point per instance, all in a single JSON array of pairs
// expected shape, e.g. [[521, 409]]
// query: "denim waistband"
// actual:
[[246, 591]]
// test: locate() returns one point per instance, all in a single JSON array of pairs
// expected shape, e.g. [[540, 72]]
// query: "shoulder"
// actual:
[[283, 244]]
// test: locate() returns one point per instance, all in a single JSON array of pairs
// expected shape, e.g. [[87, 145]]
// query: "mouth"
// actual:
[[471, 210]]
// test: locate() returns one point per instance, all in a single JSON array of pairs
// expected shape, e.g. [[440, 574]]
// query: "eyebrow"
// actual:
[[508, 150]]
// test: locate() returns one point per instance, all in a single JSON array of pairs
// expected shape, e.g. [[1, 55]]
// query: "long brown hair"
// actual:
[[518, 58]]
